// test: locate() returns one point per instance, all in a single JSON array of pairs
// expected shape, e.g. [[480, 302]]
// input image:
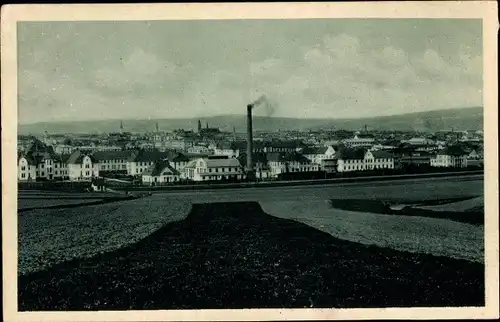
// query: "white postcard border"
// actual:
[[486, 10]]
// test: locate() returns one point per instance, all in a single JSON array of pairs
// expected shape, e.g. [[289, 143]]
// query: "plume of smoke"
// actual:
[[266, 106], [262, 99]]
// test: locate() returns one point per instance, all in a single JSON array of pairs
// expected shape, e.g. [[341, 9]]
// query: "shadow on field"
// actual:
[[233, 255], [474, 217]]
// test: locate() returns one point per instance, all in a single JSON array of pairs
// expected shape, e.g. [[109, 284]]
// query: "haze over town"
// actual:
[[342, 68]]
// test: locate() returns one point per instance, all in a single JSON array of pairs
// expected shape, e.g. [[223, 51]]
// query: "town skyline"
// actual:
[[242, 115], [320, 68]]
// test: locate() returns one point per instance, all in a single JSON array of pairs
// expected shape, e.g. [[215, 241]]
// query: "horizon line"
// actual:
[[243, 114]]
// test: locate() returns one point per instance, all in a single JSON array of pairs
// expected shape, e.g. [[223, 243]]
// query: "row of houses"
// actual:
[[40, 161]]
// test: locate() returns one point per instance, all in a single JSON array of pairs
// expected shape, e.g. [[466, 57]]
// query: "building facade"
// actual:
[[159, 173], [40, 162], [112, 161], [318, 154], [214, 169], [81, 167], [450, 157], [364, 160]]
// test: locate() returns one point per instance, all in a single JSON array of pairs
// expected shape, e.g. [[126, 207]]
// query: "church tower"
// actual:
[[199, 126], [121, 126]]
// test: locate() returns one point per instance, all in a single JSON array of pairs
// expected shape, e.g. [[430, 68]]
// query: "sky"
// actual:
[[315, 68]]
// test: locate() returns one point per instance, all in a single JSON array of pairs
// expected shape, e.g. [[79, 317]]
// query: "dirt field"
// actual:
[[141, 242], [235, 256], [49, 236], [434, 236]]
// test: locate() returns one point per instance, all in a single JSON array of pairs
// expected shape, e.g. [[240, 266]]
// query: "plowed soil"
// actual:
[[233, 255]]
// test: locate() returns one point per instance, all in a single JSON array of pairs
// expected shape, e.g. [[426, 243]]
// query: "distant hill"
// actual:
[[459, 119]]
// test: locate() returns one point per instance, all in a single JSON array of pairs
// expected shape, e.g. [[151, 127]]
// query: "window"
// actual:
[[42, 174], [23, 175], [23, 168], [42, 165]]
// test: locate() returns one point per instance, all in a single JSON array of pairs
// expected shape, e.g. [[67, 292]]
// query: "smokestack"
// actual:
[[249, 142]]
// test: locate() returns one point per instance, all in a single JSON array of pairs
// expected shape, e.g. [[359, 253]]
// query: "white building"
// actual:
[[198, 149], [161, 172], [450, 157], [142, 160], [112, 161], [420, 141], [289, 162], [49, 167], [226, 150], [318, 154], [81, 167], [364, 160], [351, 160], [41, 162], [214, 168], [375, 160], [359, 141], [64, 149]]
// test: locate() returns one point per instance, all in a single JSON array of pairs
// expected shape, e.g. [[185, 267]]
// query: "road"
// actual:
[[411, 189]]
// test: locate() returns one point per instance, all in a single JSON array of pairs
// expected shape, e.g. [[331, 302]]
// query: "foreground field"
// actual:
[[465, 205], [235, 256], [30, 199], [434, 236], [49, 236], [149, 254]]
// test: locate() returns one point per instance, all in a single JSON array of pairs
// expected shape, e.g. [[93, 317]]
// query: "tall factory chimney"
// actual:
[[249, 168]]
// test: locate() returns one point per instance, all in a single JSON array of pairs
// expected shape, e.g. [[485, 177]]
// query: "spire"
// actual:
[[234, 133], [121, 126], [157, 128], [199, 126], [207, 125]]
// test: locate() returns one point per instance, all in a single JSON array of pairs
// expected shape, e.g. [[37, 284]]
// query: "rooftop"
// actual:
[[159, 167], [352, 154]]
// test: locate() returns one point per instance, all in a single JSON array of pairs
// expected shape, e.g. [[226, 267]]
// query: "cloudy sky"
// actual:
[[338, 68]]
